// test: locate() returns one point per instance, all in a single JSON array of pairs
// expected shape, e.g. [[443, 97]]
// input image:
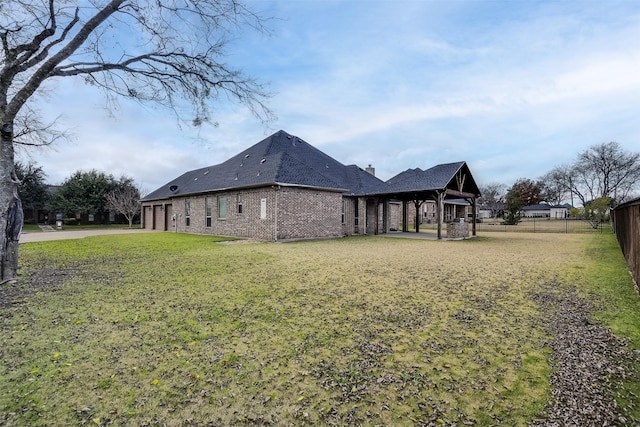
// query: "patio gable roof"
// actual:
[[453, 179]]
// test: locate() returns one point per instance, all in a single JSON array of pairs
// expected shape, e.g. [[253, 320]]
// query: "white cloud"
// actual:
[[511, 87]]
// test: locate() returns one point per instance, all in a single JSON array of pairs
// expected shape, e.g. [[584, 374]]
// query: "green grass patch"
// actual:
[[28, 228], [96, 226], [176, 329]]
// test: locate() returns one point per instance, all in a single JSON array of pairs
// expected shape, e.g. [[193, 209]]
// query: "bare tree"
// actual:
[[125, 200], [606, 170], [602, 171], [556, 186], [170, 55], [493, 196], [561, 182]]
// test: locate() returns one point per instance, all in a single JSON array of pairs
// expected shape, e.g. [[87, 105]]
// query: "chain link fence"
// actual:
[[545, 225], [530, 225]]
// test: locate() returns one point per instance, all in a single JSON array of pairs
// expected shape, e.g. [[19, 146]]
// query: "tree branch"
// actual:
[[44, 71], [26, 64]]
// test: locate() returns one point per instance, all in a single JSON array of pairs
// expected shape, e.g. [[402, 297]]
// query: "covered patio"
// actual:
[[442, 183]]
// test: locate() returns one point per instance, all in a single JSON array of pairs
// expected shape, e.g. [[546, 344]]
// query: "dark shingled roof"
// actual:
[[537, 207], [284, 159], [280, 159], [435, 178]]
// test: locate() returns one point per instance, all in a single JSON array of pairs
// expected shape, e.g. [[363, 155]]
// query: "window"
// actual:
[[222, 207], [207, 211], [263, 208], [187, 212], [343, 207], [239, 203]]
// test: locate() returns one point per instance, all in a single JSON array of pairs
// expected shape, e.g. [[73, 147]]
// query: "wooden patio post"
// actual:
[[440, 212], [385, 216], [473, 217], [405, 216], [376, 204]]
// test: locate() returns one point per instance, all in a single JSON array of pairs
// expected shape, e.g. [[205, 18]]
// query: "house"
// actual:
[[39, 212], [544, 210], [560, 211], [484, 212], [284, 188], [541, 210]]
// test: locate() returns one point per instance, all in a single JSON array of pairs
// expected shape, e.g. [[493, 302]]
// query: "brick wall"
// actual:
[[301, 213], [355, 209], [395, 215], [268, 213], [304, 213], [246, 222]]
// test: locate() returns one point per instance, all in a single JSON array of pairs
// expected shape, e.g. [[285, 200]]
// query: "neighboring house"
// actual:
[[560, 211], [283, 188], [41, 215], [544, 210], [484, 213], [48, 215], [541, 210]]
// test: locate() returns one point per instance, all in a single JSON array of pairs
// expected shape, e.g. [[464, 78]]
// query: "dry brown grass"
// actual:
[[178, 330]]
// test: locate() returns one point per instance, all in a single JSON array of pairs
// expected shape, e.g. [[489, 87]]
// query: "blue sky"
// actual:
[[513, 88]]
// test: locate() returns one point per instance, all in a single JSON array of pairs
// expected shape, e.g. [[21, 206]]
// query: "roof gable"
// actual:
[[454, 176], [280, 159]]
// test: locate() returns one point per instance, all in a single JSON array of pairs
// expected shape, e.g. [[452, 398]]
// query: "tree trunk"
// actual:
[[11, 215]]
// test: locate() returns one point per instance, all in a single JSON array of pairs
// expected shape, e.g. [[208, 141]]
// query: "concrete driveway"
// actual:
[[43, 236]]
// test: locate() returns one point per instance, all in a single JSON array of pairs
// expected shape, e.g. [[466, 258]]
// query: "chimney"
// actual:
[[371, 170]]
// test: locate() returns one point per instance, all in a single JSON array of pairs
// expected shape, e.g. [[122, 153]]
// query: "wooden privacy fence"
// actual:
[[626, 225]]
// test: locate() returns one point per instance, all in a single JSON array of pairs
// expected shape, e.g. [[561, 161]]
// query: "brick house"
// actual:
[[281, 188]]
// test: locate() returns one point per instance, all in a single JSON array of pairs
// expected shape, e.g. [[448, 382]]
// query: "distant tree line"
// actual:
[[601, 177], [83, 194]]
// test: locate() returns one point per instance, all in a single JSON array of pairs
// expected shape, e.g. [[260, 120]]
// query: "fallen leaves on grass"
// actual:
[[589, 364]]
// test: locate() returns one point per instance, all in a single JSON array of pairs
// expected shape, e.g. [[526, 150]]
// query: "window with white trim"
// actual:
[[239, 203], [222, 207], [207, 211]]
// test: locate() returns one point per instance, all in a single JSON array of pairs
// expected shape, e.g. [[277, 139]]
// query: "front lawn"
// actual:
[[173, 329]]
